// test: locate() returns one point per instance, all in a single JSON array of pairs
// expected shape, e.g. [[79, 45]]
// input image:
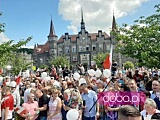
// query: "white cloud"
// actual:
[[3, 38], [97, 13]]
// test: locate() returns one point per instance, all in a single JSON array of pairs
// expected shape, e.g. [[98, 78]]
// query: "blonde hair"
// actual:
[[77, 93], [150, 102]]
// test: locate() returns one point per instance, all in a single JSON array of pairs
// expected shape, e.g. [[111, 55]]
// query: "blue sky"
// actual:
[[24, 18]]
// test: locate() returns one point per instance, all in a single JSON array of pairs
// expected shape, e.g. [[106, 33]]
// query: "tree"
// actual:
[[99, 59], [60, 60], [141, 40], [128, 65], [9, 48], [19, 62]]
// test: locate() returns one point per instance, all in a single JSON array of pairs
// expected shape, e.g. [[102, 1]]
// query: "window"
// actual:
[[107, 47], [94, 47], [100, 47], [60, 50], [73, 49], [41, 60], [67, 49], [74, 58], [80, 48], [87, 48]]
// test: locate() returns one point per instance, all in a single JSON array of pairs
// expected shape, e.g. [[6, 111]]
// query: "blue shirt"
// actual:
[[90, 99]]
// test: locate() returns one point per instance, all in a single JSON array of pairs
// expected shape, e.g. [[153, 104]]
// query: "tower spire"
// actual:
[[82, 21], [114, 23], [52, 32]]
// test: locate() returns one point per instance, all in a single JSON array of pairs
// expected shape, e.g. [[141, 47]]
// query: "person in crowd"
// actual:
[[142, 86], [42, 104], [114, 67], [127, 112], [65, 71], [89, 97], [30, 107], [7, 104], [155, 94], [149, 109], [81, 69], [129, 74], [54, 72], [75, 102], [65, 102], [133, 86], [155, 116], [55, 104], [137, 77], [27, 91], [59, 70], [15, 93]]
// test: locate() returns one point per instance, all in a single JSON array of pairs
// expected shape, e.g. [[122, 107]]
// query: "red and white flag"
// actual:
[[108, 61], [18, 79], [20, 110]]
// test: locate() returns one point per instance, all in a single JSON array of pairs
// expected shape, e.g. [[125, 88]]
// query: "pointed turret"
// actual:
[[52, 32], [35, 45], [114, 27], [82, 21]]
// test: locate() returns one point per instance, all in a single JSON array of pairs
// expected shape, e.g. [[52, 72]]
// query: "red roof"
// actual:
[[92, 35], [42, 48]]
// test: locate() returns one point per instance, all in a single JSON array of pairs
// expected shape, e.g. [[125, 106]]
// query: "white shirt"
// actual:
[[26, 93], [147, 117]]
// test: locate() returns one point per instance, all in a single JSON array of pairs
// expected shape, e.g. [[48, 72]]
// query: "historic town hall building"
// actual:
[[78, 48]]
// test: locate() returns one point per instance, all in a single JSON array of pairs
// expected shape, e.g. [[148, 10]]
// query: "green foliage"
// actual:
[[99, 59], [19, 62], [8, 48], [141, 40], [60, 60], [25, 50], [128, 65], [43, 66], [8, 54]]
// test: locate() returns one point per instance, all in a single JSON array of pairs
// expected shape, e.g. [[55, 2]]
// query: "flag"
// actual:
[[1, 71], [18, 79], [20, 110], [108, 61]]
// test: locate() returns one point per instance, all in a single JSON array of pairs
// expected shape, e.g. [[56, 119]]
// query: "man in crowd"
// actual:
[[89, 97], [42, 103], [7, 104], [155, 94], [128, 112]]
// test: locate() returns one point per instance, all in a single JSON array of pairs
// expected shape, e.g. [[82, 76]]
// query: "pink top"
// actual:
[[52, 108], [30, 108]]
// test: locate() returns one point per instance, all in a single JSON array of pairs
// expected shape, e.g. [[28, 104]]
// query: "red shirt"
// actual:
[[8, 101]]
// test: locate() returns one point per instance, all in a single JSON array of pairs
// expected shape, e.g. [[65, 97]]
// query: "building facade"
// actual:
[[78, 49]]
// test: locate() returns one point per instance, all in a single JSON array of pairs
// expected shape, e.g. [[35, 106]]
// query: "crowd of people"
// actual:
[[38, 98]]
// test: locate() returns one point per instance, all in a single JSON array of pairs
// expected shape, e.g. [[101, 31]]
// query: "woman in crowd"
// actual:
[[75, 102], [55, 104], [30, 106], [149, 109], [65, 101]]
